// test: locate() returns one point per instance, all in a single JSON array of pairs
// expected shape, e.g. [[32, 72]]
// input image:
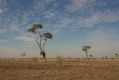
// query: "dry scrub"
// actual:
[[71, 69]]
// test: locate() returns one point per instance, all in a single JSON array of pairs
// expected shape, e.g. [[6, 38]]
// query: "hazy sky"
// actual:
[[74, 23]]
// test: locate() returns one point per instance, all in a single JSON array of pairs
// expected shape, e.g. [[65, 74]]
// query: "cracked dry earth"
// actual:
[[53, 70]]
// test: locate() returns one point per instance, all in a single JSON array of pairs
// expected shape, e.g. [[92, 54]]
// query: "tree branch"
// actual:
[[40, 36], [38, 43], [39, 33], [44, 43]]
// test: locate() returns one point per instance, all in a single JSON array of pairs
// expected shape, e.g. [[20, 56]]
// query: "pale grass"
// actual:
[[71, 69]]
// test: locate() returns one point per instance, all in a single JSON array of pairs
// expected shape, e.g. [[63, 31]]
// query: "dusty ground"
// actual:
[[72, 69]]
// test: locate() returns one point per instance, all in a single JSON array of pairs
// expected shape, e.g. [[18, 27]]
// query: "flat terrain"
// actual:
[[59, 69]]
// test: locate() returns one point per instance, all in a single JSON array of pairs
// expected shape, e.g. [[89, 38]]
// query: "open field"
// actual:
[[59, 69]]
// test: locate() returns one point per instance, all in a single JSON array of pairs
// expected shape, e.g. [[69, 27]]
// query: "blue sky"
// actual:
[[74, 23]]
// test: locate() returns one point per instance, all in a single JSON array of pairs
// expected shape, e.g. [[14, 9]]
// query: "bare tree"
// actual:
[[85, 49], [41, 38]]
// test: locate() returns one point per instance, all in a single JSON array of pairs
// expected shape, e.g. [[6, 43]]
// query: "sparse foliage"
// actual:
[[85, 49], [116, 55], [41, 38], [23, 55], [91, 56]]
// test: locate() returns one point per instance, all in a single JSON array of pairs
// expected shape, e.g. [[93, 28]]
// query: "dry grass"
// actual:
[[71, 69]]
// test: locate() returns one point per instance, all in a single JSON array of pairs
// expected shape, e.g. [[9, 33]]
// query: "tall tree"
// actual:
[[85, 49], [41, 38]]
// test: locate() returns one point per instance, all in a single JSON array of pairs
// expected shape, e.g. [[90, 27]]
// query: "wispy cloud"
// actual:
[[42, 4], [75, 23], [76, 5], [1, 11], [99, 18], [25, 37], [104, 34], [13, 26], [2, 30], [50, 14]]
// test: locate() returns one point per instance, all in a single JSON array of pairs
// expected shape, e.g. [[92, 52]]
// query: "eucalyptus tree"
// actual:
[[106, 57], [91, 56], [116, 54], [85, 49], [41, 37], [23, 55], [23, 60]]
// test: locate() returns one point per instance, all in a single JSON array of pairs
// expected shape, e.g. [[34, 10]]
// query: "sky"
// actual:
[[73, 23]]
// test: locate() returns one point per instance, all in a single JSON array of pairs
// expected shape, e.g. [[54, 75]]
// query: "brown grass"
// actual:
[[71, 69]]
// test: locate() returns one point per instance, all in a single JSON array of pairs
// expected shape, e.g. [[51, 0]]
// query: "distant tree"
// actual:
[[41, 38], [116, 55], [23, 55], [85, 49], [69, 57], [102, 57], [91, 56], [106, 57]]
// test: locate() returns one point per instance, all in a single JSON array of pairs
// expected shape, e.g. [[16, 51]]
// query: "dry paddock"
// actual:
[[59, 69]]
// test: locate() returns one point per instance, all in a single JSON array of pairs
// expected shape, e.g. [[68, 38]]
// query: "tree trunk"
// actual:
[[44, 57], [43, 54], [87, 55]]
